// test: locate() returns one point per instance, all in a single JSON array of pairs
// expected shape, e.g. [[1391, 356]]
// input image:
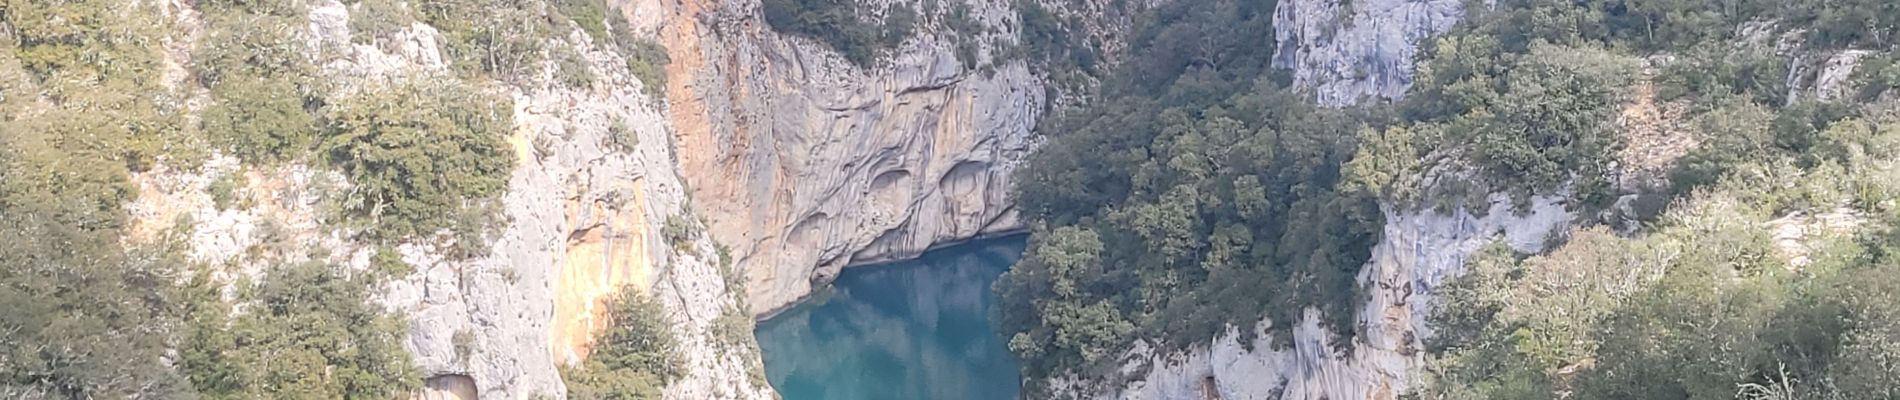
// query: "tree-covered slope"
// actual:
[[1198, 191]]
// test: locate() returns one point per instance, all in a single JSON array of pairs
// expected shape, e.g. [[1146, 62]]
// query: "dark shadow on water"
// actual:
[[916, 329]]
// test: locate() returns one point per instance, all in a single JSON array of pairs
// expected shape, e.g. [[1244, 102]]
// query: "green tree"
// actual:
[[421, 156], [310, 332], [635, 358]]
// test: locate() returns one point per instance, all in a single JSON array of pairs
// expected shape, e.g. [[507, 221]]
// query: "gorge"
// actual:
[[1210, 199]]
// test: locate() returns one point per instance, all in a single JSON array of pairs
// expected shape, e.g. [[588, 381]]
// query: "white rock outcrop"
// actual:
[[1419, 253], [1824, 76], [1345, 50]]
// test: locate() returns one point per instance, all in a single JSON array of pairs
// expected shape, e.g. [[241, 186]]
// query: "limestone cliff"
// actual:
[[1347, 50], [580, 219], [1420, 252], [804, 163]]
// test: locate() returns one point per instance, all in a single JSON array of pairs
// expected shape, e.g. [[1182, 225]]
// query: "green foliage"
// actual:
[[572, 69], [258, 74], [1716, 71], [590, 15], [464, 342], [1730, 134], [374, 21], [1045, 37], [84, 318], [252, 40], [224, 190], [851, 27], [422, 156], [259, 119], [623, 135], [1875, 76], [310, 332], [645, 58], [1201, 193], [96, 64], [647, 61], [1531, 120], [634, 359], [502, 39], [389, 262], [86, 312], [1708, 304], [680, 232]]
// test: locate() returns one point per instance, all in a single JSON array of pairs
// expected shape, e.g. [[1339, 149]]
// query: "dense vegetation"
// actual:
[[633, 358], [1176, 207], [1198, 194], [84, 313], [1706, 302], [422, 156], [306, 331]]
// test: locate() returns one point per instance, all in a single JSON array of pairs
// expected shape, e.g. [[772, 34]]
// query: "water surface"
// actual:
[[913, 330]]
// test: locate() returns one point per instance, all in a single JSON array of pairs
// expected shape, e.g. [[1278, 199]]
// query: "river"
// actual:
[[911, 330]]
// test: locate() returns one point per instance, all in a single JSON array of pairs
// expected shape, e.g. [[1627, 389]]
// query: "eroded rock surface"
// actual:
[[1420, 252], [804, 163], [1348, 50]]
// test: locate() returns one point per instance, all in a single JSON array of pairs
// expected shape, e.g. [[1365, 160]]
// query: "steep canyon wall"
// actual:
[[804, 163]]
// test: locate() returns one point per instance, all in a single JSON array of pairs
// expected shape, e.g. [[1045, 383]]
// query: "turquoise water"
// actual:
[[913, 330]]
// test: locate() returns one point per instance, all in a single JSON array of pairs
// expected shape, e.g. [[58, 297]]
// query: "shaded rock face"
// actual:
[[1345, 50], [448, 387], [804, 163], [1419, 253]]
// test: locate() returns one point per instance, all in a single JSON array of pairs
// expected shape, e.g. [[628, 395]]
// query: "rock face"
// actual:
[[594, 181], [804, 163], [1345, 50], [1419, 253], [1825, 76]]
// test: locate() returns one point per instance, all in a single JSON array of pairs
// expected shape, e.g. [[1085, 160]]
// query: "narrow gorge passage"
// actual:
[[917, 329]]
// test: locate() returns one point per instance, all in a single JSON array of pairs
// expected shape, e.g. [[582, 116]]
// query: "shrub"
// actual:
[[680, 232], [572, 69], [311, 332], [647, 61], [591, 15], [374, 20], [259, 119], [85, 309], [422, 156], [240, 42], [389, 262], [500, 39], [224, 190], [634, 359], [464, 342]]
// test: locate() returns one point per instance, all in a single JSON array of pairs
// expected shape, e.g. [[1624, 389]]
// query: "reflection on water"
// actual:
[[912, 330]]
